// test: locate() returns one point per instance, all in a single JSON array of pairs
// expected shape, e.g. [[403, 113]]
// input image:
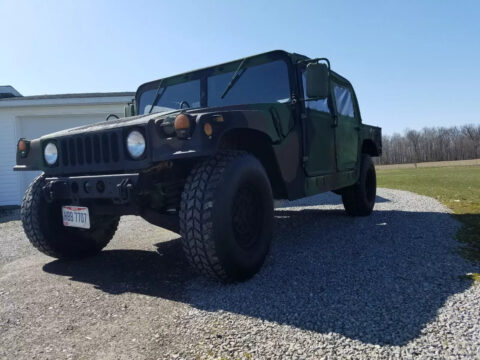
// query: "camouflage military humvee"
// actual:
[[204, 153]]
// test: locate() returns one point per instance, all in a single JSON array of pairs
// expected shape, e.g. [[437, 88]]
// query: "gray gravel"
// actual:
[[386, 286]]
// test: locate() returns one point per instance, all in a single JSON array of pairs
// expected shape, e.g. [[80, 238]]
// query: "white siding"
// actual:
[[8, 179]]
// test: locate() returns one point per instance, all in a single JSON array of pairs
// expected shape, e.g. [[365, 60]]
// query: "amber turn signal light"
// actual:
[[207, 128], [23, 146], [182, 122], [182, 125]]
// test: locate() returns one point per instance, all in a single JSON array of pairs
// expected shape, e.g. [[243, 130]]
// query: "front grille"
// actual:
[[81, 150]]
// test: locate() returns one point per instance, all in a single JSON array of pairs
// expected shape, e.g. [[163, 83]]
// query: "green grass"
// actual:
[[456, 187]]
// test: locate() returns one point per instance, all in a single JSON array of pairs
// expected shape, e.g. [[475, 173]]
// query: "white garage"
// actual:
[[33, 116]]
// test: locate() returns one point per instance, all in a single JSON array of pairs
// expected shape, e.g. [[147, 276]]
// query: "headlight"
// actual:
[[136, 144], [50, 153]]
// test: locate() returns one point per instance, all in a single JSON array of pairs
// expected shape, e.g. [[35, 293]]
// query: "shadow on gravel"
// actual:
[[378, 279], [9, 213], [161, 274], [328, 198]]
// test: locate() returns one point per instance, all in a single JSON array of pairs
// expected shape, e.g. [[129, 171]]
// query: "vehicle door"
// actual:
[[347, 125], [320, 134]]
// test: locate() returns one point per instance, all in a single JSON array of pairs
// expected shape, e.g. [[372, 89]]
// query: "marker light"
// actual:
[[182, 125], [207, 128]]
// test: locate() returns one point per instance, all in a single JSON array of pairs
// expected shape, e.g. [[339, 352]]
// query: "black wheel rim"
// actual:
[[247, 217]]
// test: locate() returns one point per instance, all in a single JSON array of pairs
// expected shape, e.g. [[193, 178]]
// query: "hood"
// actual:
[[143, 119], [112, 124]]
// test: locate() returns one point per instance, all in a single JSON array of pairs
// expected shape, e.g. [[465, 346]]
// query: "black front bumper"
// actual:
[[119, 188]]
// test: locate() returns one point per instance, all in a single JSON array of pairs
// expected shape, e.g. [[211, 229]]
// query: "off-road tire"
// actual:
[[42, 223], [226, 216], [359, 199]]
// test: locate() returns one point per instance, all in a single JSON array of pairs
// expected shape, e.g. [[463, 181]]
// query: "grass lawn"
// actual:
[[456, 187]]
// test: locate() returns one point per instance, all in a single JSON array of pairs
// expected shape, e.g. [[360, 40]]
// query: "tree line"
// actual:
[[431, 144]]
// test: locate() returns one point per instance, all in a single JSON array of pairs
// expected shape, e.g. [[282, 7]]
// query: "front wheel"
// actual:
[[226, 216], [43, 225], [359, 199]]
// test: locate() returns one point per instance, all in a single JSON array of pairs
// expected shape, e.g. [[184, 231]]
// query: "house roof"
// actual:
[[71, 96], [68, 99], [8, 91]]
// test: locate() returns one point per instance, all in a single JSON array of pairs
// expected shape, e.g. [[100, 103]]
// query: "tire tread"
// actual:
[[31, 222], [196, 214]]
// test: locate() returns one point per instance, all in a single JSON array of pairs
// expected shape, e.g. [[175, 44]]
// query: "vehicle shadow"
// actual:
[[328, 198], [9, 213], [162, 273], [378, 279]]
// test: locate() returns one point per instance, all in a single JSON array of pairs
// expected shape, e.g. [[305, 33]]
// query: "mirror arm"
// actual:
[[314, 99], [315, 60]]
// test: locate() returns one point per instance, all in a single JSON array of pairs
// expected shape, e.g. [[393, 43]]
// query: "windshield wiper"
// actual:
[[234, 78], [158, 95]]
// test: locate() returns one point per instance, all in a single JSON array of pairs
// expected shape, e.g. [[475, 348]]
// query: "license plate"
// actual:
[[75, 216]]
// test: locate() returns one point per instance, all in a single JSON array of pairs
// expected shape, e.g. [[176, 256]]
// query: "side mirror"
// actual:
[[316, 77], [130, 110]]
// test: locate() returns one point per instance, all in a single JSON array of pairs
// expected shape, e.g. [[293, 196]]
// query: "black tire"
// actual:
[[43, 225], [359, 199], [226, 216]]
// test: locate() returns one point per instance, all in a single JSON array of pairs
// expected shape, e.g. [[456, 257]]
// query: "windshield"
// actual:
[[172, 97], [264, 83]]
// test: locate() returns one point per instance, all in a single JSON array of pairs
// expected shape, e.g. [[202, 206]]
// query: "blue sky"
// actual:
[[412, 63]]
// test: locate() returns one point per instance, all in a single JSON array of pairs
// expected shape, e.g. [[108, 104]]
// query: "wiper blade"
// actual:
[[234, 78], [158, 95]]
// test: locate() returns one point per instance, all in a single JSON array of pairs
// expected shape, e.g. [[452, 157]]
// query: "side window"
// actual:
[[318, 105], [343, 100]]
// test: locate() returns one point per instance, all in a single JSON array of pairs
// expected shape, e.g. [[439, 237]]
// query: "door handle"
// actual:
[[335, 122]]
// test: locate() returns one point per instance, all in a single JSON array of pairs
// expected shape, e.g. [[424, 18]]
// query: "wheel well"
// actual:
[[259, 145], [369, 147]]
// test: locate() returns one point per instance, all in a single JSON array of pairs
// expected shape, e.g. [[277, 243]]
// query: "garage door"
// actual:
[[34, 127]]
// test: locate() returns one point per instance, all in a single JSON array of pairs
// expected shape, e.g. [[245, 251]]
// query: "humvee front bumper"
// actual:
[[118, 187]]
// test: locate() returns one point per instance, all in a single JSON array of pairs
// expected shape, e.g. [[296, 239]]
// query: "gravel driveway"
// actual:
[[386, 286]]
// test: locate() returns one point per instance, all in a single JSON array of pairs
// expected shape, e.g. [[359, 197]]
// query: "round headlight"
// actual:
[[136, 144], [50, 153]]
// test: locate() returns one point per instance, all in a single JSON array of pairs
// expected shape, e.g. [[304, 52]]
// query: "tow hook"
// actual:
[[53, 188], [124, 192]]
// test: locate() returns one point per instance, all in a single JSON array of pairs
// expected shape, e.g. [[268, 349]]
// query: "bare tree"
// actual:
[[432, 144], [473, 133], [414, 138]]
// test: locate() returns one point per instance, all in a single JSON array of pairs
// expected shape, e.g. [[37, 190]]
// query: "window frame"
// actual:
[[210, 76], [203, 73], [352, 105], [339, 80]]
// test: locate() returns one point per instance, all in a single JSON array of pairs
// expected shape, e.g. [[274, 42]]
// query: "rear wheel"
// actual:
[[359, 199], [43, 225], [226, 216]]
